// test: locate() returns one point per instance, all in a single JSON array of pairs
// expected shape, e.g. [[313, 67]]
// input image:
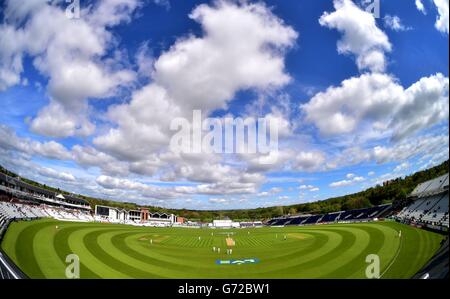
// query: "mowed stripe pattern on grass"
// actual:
[[40, 248]]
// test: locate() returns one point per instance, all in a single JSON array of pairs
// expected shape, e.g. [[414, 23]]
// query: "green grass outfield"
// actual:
[[118, 251]]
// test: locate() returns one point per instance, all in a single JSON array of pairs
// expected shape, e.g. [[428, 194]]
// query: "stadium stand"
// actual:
[[312, 219], [8, 270], [251, 224], [298, 220], [11, 187], [330, 217], [25, 202], [343, 216], [20, 200], [437, 267], [15, 211], [428, 204]]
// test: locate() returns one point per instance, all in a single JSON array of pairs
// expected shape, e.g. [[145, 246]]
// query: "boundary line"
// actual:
[[394, 259]]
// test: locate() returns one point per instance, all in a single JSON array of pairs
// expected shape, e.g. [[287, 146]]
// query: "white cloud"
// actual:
[[361, 36], [206, 172], [395, 23], [90, 157], [310, 188], [117, 183], [136, 188], [112, 12], [275, 190], [340, 109], [442, 22], [139, 135], [424, 145], [282, 123], [350, 181], [421, 7], [379, 100], [52, 173], [184, 80], [385, 178], [206, 71], [50, 149], [270, 192], [303, 187], [285, 159], [163, 3], [371, 173], [434, 158], [342, 183], [401, 167], [426, 104], [10, 56], [43, 32], [54, 120], [218, 200], [144, 60], [308, 161]]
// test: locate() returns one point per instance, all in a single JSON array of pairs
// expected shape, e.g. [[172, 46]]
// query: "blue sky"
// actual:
[[87, 102]]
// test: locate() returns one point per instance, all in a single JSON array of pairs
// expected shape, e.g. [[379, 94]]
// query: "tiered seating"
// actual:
[[421, 188], [430, 203], [438, 211], [281, 221], [312, 219], [298, 220], [438, 183], [15, 211], [330, 217], [412, 208], [10, 210], [353, 215], [251, 224], [65, 214], [271, 221], [444, 220], [377, 211], [432, 209], [368, 212], [346, 216], [431, 187]]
